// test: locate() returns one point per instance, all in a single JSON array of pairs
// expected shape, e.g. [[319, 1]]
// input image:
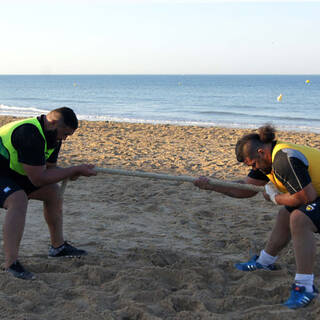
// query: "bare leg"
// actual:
[[280, 235], [16, 205], [52, 210], [302, 231]]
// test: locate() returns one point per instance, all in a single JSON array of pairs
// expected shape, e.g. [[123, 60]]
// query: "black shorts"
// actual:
[[312, 210], [9, 185]]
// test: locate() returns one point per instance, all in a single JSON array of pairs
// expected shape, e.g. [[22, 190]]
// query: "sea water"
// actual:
[[238, 101]]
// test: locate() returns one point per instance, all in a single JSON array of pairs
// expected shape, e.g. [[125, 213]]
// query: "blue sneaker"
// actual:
[[299, 297], [253, 265]]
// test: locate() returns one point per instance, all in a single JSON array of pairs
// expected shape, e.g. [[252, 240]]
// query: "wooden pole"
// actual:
[[150, 175], [214, 182]]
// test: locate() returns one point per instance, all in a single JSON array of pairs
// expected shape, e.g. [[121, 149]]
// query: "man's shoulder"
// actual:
[[26, 128], [27, 133], [284, 155]]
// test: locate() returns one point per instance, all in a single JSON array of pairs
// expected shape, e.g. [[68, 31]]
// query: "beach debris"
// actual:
[[279, 97], [307, 82]]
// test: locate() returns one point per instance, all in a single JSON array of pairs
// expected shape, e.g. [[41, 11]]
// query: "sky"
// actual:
[[159, 37]]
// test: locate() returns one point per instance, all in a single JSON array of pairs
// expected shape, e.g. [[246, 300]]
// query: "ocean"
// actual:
[[237, 101]]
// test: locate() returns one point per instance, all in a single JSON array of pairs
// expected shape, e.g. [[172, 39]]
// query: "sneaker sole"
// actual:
[[30, 276], [78, 257]]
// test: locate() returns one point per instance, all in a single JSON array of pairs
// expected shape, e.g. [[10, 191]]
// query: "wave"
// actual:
[[20, 111], [250, 121], [27, 99], [261, 116], [66, 101], [237, 125], [48, 100]]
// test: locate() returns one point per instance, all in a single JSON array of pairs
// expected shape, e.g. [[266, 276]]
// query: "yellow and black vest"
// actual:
[[313, 157], [8, 151]]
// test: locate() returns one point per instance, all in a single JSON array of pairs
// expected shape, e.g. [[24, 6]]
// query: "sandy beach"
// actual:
[[157, 249]]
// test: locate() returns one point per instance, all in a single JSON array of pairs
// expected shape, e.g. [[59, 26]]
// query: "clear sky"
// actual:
[[159, 37]]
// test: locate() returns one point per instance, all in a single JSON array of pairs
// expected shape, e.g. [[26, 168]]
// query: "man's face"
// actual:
[[56, 134], [261, 162], [63, 132]]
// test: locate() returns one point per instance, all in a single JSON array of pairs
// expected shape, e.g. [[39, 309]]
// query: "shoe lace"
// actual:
[[66, 243]]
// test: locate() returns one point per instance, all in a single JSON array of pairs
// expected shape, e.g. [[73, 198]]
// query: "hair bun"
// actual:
[[267, 133]]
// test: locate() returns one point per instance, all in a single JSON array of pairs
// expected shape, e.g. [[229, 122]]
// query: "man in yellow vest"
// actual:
[[291, 176], [28, 155]]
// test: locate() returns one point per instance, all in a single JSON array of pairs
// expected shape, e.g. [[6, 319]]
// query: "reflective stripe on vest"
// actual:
[[8, 151], [313, 157]]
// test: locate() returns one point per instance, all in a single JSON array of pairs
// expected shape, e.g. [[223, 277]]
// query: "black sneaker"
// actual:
[[66, 250], [18, 271]]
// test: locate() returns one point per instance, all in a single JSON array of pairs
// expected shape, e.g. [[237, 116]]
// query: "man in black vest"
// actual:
[[28, 155]]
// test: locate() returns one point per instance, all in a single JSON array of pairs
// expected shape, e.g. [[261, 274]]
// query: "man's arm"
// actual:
[[43, 175], [51, 165], [305, 196], [234, 192], [291, 168]]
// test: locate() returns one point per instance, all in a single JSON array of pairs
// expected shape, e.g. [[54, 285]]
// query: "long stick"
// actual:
[[214, 182]]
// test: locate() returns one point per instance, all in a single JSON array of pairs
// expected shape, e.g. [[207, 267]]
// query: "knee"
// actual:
[[52, 193], [283, 217], [17, 200], [53, 189], [298, 221]]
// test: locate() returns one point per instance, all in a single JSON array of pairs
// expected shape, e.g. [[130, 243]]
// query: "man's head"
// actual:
[[255, 149], [60, 123]]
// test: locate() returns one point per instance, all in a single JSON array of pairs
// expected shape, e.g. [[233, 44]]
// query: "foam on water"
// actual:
[[32, 112]]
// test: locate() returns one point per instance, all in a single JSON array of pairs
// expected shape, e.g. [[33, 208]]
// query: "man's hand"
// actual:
[[270, 192], [203, 183], [41, 176], [86, 170]]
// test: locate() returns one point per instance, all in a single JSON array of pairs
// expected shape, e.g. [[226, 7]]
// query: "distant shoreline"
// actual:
[[168, 123]]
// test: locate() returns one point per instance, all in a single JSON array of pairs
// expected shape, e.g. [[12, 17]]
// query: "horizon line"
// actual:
[[160, 74]]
